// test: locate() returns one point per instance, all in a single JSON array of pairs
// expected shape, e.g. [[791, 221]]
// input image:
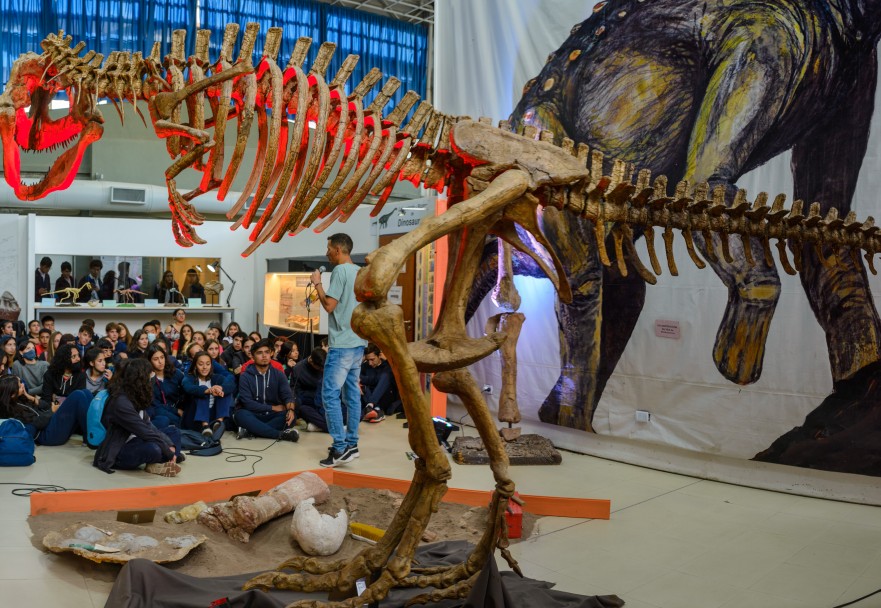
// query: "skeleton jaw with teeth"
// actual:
[[33, 85]]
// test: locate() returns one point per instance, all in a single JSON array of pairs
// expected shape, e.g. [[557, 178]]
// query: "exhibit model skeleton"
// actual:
[[497, 182]]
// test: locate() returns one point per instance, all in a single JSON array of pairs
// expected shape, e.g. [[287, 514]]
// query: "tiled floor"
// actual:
[[672, 541]]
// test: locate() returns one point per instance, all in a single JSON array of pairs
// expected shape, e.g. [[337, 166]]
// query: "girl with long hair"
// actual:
[[64, 375], [97, 374], [52, 347], [140, 342], [231, 330], [178, 347], [7, 352], [212, 394], [212, 347], [48, 424], [132, 440], [166, 382]]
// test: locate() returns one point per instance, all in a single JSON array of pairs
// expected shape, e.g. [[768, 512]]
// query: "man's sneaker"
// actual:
[[301, 424], [290, 434], [374, 414], [351, 454], [165, 469], [313, 428], [243, 433], [333, 459], [207, 433]]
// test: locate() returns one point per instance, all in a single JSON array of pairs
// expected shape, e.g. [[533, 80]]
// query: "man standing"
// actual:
[[266, 404], [42, 284], [343, 364]]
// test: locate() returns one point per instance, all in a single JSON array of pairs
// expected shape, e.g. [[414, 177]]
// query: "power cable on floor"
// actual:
[[38, 488], [859, 599], [236, 457]]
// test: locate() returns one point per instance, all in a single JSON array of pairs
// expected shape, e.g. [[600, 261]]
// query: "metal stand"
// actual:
[[309, 291]]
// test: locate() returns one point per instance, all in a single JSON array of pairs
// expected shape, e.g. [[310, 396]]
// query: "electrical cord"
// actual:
[[235, 456], [38, 488], [859, 599]]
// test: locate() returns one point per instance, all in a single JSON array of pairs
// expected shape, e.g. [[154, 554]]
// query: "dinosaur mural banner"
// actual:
[[769, 97]]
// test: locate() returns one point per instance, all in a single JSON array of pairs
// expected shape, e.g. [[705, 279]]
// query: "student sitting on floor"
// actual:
[[212, 394], [97, 374], [132, 439], [167, 386], [306, 379], [266, 405], [29, 368], [47, 424], [64, 375]]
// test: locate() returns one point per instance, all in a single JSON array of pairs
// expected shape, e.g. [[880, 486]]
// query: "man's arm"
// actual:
[[327, 303]]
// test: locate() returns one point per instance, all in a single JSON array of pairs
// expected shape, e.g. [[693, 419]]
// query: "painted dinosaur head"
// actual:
[[26, 125]]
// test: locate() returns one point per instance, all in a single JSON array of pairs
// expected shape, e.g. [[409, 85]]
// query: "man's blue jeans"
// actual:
[[342, 371]]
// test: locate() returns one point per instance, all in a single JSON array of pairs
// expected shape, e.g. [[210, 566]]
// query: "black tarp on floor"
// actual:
[[143, 584]]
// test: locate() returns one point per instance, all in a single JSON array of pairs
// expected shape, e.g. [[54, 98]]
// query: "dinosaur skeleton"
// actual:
[[497, 182], [128, 295], [71, 293]]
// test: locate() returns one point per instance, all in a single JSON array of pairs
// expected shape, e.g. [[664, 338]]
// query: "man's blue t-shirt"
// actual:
[[342, 289]]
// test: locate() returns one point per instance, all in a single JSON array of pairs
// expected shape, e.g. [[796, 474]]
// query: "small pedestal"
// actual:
[[526, 449]]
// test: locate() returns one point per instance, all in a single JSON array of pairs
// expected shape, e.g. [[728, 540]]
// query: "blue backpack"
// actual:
[[16, 444], [95, 431]]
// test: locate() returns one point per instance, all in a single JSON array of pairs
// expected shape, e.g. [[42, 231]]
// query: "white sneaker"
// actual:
[[312, 428]]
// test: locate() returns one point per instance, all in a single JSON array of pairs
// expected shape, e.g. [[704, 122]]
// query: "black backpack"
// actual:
[[196, 444]]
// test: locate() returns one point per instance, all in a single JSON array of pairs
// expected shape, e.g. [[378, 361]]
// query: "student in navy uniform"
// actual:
[[167, 383], [306, 378], [65, 281], [266, 404], [211, 393], [93, 279], [42, 283], [132, 439]]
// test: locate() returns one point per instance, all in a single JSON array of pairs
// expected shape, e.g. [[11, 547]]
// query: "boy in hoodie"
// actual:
[[265, 405]]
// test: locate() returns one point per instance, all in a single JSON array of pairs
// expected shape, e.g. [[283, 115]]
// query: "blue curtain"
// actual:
[[395, 47]]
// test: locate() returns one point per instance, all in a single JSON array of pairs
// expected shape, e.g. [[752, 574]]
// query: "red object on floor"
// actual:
[[514, 518]]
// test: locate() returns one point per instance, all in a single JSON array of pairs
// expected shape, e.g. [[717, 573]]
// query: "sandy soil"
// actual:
[[271, 543]]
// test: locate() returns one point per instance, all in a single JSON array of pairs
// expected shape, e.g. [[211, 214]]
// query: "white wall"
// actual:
[[147, 237]]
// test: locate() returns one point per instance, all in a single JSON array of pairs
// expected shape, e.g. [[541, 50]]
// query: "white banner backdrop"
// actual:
[[485, 52]]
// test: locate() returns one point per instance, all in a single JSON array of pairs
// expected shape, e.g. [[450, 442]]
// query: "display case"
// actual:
[[285, 305]]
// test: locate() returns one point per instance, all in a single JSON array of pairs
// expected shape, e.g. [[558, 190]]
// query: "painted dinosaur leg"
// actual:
[[826, 169], [571, 400], [742, 103]]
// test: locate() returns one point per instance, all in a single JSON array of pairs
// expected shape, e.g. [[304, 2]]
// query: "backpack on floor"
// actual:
[[95, 431], [196, 444], [16, 444]]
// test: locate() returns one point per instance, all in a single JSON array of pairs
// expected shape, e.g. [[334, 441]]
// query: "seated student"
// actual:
[[106, 347], [111, 331], [48, 322], [42, 345], [29, 369], [213, 332], [212, 347], [166, 407], [306, 379], [229, 333], [132, 439], [84, 339], [91, 324], [266, 406], [379, 394], [34, 330], [7, 353], [138, 347], [234, 357], [255, 336], [288, 356], [212, 394], [179, 346], [63, 376], [97, 374], [47, 424]]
